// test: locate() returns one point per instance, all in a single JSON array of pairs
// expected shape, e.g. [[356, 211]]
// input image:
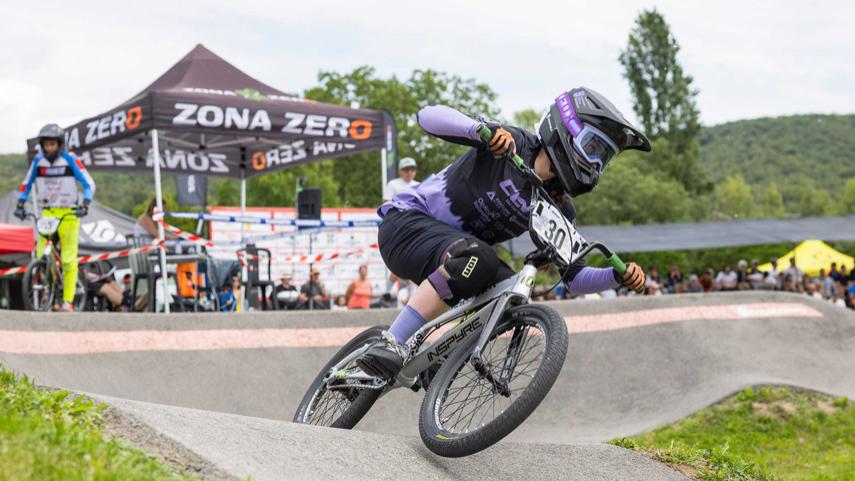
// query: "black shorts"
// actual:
[[413, 244]]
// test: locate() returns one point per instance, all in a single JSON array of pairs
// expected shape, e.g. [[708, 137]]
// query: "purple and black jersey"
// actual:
[[478, 193]]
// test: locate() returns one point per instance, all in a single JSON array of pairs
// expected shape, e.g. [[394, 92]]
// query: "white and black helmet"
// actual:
[[581, 132], [53, 132]]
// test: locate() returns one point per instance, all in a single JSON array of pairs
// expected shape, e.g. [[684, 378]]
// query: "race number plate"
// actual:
[[554, 230], [47, 226]]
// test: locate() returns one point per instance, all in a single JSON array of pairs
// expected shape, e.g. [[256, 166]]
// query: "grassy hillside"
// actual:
[[818, 147]]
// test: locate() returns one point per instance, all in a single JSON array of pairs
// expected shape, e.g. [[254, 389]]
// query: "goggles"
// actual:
[[592, 146]]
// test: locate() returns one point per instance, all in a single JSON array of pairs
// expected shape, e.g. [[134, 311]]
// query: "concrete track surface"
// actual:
[[632, 365]]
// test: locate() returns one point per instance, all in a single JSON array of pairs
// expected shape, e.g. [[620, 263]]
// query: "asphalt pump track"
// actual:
[[226, 387]]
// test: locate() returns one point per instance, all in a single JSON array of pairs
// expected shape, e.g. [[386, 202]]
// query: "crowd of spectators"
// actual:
[[313, 294], [834, 284]]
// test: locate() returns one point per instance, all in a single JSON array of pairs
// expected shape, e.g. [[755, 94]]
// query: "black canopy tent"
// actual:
[[205, 116], [211, 118]]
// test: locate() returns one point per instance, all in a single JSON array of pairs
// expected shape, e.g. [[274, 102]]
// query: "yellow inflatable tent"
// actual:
[[811, 256]]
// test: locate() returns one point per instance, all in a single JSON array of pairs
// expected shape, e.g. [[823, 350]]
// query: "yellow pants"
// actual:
[[68, 232]]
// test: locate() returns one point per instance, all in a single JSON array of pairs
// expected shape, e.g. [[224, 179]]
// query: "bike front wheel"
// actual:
[[39, 286], [467, 410], [333, 403]]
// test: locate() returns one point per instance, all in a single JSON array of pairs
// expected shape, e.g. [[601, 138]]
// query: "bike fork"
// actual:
[[521, 291]]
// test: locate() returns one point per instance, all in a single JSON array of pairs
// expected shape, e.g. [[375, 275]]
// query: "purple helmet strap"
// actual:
[[568, 114]]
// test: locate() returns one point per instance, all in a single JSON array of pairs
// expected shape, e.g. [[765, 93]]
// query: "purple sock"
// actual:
[[406, 324]]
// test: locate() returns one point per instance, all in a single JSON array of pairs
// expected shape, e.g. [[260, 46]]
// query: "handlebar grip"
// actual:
[[487, 135], [617, 263], [620, 267], [485, 132]]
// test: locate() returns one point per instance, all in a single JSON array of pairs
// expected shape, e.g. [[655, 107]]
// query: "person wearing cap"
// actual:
[[406, 178], [313, 294], [286, 294]]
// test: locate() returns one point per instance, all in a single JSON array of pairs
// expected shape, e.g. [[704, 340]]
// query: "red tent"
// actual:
[[16, 239]]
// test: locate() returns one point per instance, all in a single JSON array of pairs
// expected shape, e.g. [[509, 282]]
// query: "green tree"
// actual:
[[684, 167], [626, 195], [664, 99], [769, 201], [734, 199], [847, 200], [357, 177], [526, 119], [803, 198]]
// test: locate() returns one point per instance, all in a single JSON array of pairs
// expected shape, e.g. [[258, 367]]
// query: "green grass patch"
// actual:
[[760, 434], [50, 436]]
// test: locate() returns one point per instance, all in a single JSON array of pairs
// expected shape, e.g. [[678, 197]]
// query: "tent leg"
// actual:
[[164, 278], [242, 199], [244, 273], [383, 174]]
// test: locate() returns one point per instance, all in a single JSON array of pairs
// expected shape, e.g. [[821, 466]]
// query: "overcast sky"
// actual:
[[64, 61]]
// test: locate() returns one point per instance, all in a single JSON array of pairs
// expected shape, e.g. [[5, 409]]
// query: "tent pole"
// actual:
[[244, 274], [160, 234], [383, 177], [242, 198]]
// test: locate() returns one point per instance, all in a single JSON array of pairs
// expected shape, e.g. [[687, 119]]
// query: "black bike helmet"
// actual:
[[581, 132], [53, 132]]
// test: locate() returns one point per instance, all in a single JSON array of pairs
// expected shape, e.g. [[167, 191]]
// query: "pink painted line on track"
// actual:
[[624, 320], [95, 342]]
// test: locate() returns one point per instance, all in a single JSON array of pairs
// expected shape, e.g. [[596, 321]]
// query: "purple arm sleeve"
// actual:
[[592, 279], [443, 121]]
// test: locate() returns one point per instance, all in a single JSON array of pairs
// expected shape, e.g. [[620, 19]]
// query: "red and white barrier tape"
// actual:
[[117, 254], [11, 271], [91, 258], [315, 258], [187, 235]]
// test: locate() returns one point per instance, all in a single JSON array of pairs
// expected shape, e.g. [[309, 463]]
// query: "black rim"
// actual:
[[469, 401], [329, 405], [331, 401], [40, 287]]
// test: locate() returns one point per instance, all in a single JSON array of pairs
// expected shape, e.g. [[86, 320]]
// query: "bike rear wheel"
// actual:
[[326, 404], [39, 286], [463, 412]]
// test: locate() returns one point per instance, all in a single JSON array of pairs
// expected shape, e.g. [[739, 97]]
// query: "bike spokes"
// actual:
[[336, 395], [330, 405], [472, 399]]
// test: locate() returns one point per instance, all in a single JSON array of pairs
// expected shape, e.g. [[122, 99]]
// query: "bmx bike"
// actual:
[[43, 280], [493, 360]]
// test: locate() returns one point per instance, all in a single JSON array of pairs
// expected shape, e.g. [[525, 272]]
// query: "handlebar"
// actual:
[[33, 216], [611, 257]]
